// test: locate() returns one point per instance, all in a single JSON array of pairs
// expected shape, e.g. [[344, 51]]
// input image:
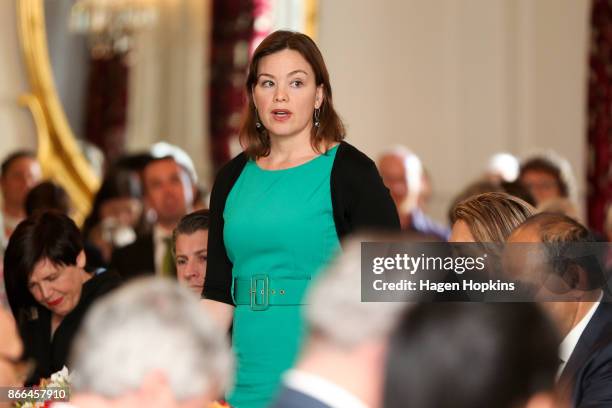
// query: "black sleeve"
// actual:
[[362, 201], [218, 281]]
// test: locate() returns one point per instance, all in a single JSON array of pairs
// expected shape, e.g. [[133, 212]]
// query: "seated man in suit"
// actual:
[[583, 320], [149, 344], [168, 191], [342, 362]]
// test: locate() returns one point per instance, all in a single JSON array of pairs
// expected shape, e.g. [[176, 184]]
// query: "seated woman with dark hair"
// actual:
[[472, 355], [48, 288]]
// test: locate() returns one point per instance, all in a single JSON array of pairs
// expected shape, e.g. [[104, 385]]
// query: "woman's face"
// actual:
[[542, 185], [57, 287], [461, 232], [286, 94]]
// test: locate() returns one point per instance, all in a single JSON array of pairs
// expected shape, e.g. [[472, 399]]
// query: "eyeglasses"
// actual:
[[23, 367]]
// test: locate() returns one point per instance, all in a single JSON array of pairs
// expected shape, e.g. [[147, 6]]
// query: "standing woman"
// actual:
[[279, 209]]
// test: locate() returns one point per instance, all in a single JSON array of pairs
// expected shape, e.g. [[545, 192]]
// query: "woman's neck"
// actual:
[[56, 320], [287, 147], [290, 151]]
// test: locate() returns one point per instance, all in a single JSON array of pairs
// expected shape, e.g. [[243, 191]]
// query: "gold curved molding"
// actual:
[[42, 129], [60, 156], [311, 23]]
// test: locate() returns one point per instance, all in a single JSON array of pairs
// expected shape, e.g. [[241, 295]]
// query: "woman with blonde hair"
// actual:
[[488, 217]]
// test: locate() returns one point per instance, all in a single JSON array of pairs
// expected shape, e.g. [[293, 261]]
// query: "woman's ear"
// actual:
[[81, 260], [319, 97]]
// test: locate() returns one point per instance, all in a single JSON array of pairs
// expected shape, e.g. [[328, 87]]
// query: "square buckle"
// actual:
[[263, 291]]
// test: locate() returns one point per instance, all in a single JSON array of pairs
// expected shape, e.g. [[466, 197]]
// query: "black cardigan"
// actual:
[[360, 201], [49, 354]]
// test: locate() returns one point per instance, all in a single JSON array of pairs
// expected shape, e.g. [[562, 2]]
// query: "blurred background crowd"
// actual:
[[488, 121]]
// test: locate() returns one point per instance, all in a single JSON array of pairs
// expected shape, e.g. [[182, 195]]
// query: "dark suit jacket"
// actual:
[[290, 398], [587, 376], [135, 259]]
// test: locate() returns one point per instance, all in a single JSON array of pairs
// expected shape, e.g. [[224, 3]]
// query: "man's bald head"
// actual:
[[553, 228]]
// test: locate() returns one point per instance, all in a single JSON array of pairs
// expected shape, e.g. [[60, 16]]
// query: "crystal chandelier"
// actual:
[[111, 24]]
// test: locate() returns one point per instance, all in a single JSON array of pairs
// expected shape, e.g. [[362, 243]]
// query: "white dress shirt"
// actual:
[[569, 342], [321, 389]]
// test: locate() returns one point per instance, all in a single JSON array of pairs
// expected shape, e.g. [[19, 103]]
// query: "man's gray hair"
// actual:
[[335, 312], [149, 325]]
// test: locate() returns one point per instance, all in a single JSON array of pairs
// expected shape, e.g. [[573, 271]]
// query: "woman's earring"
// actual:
[[258, 124], [316, 117]]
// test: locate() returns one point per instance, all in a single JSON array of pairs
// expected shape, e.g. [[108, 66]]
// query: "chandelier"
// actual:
[[111, 24]]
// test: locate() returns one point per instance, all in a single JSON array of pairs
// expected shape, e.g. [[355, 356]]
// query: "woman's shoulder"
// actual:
[[351, 159], [228, 174], [234, 165], [101, 282]]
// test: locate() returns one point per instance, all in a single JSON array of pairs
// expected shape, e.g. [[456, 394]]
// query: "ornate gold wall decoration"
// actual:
[[61, 158], [311, 15]]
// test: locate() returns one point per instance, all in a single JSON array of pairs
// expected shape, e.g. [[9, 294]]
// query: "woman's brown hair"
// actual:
[[491, 217], [256, 142]]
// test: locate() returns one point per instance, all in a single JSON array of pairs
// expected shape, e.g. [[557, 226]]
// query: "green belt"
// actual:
[[260, 291]]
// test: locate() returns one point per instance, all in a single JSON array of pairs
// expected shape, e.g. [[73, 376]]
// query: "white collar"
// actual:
[[322, 390], [571, 339]]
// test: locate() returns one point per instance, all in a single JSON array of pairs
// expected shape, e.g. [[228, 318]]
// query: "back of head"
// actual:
[[45, 235], [47, 196], [118, 183], [558, 228], [150, 326], [473, 189], [491, 217], [335, 312], [470, 355], [516, 189]]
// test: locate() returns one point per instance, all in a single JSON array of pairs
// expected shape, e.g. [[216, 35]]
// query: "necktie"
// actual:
[[168, 266]]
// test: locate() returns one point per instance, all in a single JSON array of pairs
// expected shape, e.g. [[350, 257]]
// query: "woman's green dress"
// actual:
[[279, 233]]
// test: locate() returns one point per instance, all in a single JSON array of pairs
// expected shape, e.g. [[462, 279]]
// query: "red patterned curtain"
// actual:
[[232, 32], [107, 96], [599, 173]]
